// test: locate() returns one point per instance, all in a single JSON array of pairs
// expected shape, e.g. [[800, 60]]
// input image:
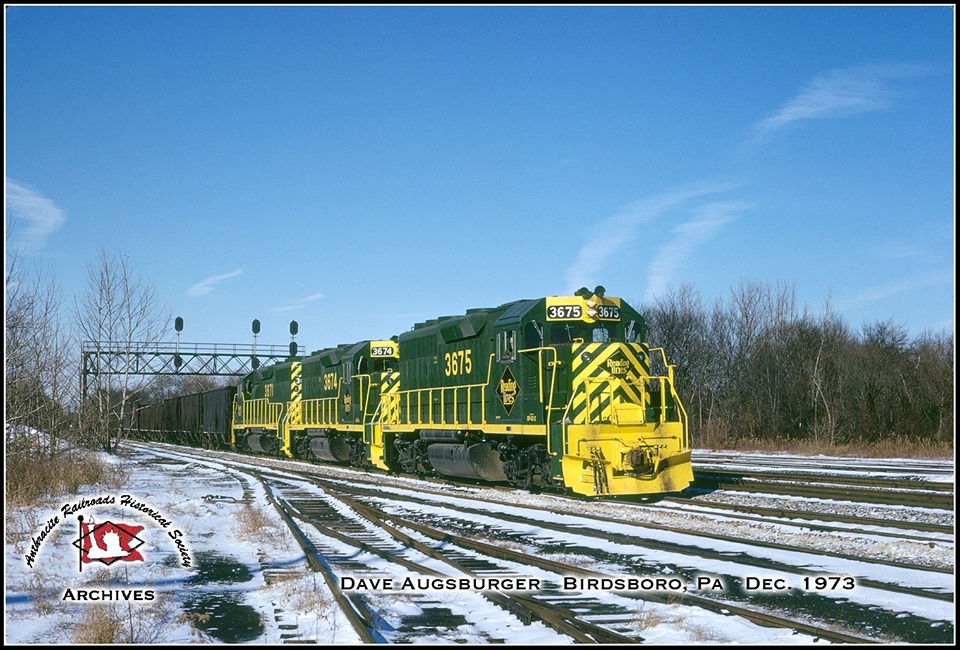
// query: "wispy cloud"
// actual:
[[904, 285], [300, 302], [901, 251], [615, 232], [840, 93], [206, 286], [688, 237], [39, 215]]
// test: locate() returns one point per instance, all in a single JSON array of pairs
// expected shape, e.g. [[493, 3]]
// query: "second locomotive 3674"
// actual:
[[556, 392]]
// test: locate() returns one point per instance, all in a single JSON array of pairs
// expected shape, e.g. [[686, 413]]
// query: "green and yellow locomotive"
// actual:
[[557, 392], [322, 406]]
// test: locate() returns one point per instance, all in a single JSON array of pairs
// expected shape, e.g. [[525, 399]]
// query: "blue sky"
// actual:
[[360, 169]]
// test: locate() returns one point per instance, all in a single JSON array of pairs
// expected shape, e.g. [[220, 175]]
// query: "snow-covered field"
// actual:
[[211, 546]]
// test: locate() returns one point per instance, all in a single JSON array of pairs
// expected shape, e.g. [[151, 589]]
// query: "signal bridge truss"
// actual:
[[216, 359]]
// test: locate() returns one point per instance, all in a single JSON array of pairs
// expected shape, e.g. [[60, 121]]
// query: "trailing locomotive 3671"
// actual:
[[555, 392]]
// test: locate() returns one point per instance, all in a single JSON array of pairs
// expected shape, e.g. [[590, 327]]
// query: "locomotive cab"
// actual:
[[623, 429]]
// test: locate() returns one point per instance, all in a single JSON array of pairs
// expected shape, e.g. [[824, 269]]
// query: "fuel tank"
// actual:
[[480, 461], [330, 449]]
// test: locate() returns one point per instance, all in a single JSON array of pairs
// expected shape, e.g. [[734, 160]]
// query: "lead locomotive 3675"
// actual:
[[554, 392]]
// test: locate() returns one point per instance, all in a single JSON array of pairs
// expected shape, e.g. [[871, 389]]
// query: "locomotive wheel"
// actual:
[[302, 449], [407, 456], [519, 468], [358, 453], [546, 477]]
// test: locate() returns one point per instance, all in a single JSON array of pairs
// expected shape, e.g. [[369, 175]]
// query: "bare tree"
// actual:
[[37, 359], [39, 383], [934, 377], [678, 322], [827, 343], [117, 312]]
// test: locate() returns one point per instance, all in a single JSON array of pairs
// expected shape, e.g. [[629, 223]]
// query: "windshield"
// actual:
[[593, 333]]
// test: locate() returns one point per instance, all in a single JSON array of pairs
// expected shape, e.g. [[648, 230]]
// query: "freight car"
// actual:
[[199, 419], [558, 392]]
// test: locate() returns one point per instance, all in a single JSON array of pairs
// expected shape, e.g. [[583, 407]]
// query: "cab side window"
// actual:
[[506, 345], [533, 335]]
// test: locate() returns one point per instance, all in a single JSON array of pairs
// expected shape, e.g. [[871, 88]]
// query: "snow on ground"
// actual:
[[894, 468], [937, 610], [212, 546], [215, 569]]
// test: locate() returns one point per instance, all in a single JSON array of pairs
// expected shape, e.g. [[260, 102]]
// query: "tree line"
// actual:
[[756, 367]]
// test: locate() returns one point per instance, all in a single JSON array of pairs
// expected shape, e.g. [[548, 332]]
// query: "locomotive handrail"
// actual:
[[605, 386], [258, 412], [366, 399], [677, 404], [490, 367], [328, 414], [390, 405], [319, 411], [373, 422], [683, 419], [676, 398], [663, 354], [440, 394], [565, 420], [404, 398]]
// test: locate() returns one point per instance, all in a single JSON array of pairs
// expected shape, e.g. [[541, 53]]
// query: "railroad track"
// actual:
[[301, 509], [640, 529], [446, 536], [808, 517], [901, 484], [485, 555], [779, 462], [564, 569], [802, 485]]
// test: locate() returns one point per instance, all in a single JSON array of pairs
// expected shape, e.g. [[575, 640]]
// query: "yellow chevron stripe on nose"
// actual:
[[296, 392], [592, 378]]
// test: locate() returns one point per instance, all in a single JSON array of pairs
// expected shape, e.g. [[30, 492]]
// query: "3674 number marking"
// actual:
[[330, 381]]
